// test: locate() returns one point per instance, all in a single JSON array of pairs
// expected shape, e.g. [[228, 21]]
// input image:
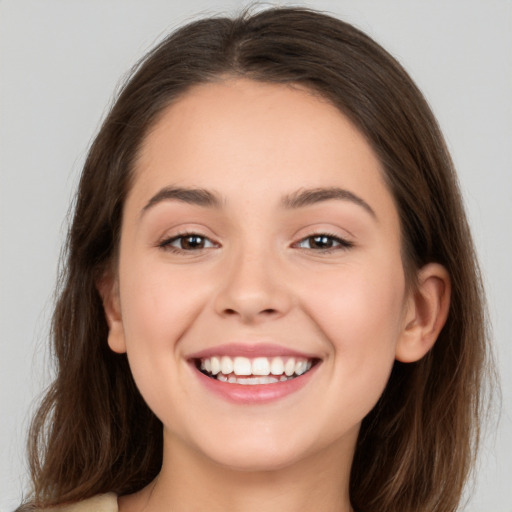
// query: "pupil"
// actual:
[[322, 242], [192, 242]]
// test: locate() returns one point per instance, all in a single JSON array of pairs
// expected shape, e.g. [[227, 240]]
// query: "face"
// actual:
[[260, 293]]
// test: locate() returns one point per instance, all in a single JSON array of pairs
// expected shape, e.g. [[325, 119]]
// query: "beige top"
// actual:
[[100, 503]]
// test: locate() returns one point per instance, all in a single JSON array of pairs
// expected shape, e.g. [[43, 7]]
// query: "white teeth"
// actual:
[[260, 370], [260, 366], [289, 367], [242, 366], [215, 365], [277, 366], [226, 365], [251, 381], [300, 367]]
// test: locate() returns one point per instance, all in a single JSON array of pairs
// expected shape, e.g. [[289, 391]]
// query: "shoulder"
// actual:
[[100, 503]]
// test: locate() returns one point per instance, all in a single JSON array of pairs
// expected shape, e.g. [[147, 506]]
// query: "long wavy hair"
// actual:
[[94, 433]]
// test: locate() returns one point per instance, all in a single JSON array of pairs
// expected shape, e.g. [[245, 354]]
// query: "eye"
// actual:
[[323, 242], [187, 242]]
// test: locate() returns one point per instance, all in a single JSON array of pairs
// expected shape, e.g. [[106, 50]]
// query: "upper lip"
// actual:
[[251, 351]]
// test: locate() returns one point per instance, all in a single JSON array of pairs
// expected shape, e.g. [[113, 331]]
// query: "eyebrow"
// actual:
[[299, 199], [197, 196], [308, 197]]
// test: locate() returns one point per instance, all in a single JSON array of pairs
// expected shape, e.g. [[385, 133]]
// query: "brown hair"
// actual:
[[417, 445]]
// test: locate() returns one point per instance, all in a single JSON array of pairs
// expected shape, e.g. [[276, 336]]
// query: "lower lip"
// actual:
[[255, 393]]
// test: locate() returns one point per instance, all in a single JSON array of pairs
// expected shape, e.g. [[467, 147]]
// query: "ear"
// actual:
[[108, 288], [425, 314]]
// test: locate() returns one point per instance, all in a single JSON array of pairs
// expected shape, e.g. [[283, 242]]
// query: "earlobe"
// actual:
[[426, 313], [108, 289]]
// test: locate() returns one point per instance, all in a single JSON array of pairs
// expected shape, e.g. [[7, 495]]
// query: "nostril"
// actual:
[[265, 312]]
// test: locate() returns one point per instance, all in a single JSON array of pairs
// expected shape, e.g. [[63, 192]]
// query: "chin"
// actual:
[[262, 453], [256, 461]]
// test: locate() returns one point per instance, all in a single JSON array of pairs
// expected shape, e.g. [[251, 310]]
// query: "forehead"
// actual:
[[269, 114], [242, 136]]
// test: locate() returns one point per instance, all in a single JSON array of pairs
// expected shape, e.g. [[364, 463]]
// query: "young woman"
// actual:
[[271, 299]]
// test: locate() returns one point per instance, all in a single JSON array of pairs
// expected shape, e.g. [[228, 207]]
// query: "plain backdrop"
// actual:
[[60, 62]]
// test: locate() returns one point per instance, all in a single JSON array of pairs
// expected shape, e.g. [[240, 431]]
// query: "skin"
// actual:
[[260, 278]]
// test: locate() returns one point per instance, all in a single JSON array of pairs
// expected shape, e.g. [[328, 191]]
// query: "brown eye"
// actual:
[[320, 242], [187, 242], [192, 242], [323, 242]]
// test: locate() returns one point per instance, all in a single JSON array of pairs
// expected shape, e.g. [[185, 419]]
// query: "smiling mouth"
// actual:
[[254, 371]]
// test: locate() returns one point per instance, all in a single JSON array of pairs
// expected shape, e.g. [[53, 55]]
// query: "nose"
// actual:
[[253, 289]]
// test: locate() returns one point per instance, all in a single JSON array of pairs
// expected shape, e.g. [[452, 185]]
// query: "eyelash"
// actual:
[[339, 243], [167, 243]]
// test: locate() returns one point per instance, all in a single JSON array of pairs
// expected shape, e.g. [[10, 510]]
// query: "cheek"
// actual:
[[159, 303], [158, 307], [357, 302], [359, 313]]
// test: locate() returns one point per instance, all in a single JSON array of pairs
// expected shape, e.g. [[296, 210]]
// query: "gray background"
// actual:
[[60, 62]]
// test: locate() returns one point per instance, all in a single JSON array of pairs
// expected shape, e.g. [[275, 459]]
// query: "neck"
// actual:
[[190, 481]]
